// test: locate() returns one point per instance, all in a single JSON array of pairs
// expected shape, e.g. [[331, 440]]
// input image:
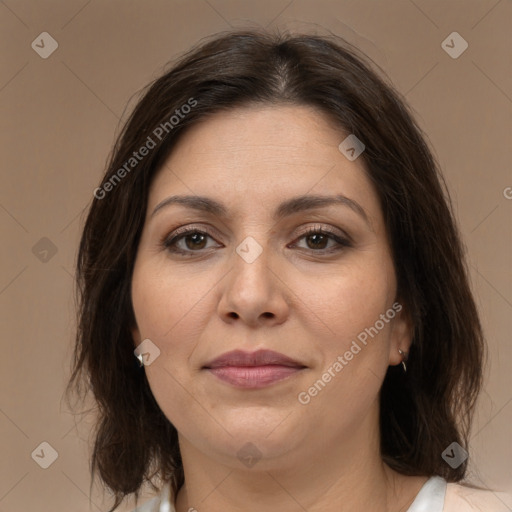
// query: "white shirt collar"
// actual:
[[431, 496]]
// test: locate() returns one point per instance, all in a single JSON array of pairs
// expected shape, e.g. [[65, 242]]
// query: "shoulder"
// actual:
[[460, 498]]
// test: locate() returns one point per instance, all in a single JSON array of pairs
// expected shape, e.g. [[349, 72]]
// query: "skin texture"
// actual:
[[296, 298]]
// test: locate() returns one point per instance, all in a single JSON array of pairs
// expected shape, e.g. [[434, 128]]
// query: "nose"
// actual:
[[254, 293]]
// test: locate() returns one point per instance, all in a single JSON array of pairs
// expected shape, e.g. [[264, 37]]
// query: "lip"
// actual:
[[253, 370]]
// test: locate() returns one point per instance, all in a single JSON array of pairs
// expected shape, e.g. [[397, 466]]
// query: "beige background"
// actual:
[[58, 119]]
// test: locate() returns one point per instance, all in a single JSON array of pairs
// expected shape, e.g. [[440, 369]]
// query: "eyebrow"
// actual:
[[286, 208]]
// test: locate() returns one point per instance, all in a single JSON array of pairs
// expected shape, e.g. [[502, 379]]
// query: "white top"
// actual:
[[435, 496]]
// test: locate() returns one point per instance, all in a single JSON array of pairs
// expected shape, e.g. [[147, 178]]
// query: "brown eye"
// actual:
[[317, 240], [187, 242], [197, 241]]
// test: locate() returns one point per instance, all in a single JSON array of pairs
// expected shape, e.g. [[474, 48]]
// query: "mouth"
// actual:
[[253, 370]]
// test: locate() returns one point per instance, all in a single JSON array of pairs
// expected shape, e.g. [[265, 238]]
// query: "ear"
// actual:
[[402, 332]]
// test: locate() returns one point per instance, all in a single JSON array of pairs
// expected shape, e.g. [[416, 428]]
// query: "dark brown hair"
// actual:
[[422, 411]]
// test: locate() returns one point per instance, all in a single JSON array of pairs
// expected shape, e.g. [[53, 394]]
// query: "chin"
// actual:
[[267, 422], [255, 453]]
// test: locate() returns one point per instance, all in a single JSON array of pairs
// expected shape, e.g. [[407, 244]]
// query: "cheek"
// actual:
[[342, 391], [163, 301], [349, 305], [160, 309], [163, 306], [351, 299]]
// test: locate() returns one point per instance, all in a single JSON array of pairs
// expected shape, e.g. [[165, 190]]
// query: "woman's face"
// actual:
[[249, 277]]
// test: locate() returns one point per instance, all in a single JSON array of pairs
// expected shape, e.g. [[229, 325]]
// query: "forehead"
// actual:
[[261, 154]]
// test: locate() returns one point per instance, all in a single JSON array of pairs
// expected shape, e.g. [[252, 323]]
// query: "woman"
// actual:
[[273, 242]]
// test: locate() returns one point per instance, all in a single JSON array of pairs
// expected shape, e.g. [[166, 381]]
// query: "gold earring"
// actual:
[[404, 360]]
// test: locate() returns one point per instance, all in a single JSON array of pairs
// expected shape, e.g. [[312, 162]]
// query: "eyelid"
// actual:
[[339, 236], [202, 228], [181, 232], [336, 232]]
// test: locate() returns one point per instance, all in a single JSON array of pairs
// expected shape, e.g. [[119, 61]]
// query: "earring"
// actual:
[[404, 360]]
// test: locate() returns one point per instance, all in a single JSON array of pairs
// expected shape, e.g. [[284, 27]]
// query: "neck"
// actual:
[[342, 476]]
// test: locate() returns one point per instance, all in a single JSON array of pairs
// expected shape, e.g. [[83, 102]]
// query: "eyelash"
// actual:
[[169, 242]]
